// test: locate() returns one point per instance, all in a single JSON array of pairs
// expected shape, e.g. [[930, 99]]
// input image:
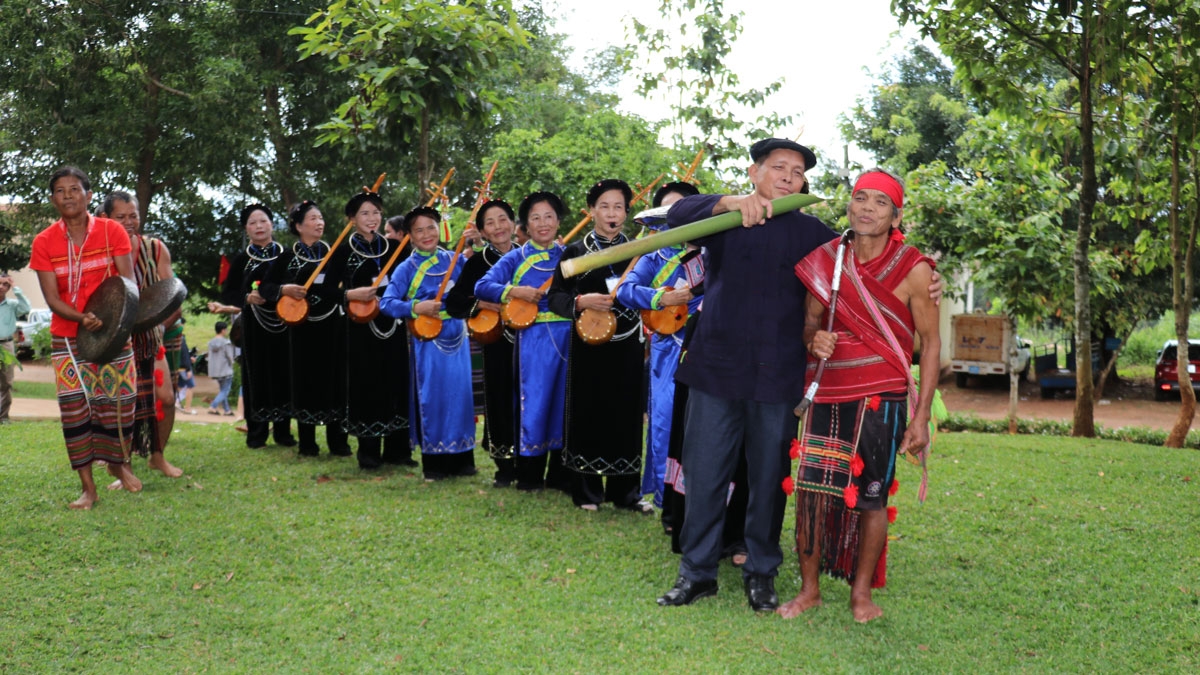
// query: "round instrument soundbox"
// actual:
[[485, 327], [596, 326], [115, 303], [667, 320], [363, 311], [158, 301], [425, 327], [518, 314], [292, 311]]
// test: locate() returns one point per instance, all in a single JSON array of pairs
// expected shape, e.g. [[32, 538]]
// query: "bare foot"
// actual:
[[738, 559], [125, 477], [803, 602], [863, 608], [84, 503], [160, 463], [116, 485]]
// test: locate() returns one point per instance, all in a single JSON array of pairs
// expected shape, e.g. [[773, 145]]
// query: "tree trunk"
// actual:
[[1112, 362], [281, 142], [1181, 290], [144, 189], [423, 176], [1084, 422]]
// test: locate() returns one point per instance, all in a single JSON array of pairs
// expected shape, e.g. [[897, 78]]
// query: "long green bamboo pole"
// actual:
[[677, 235]]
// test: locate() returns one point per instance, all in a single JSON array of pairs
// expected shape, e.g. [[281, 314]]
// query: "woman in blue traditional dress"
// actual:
[[662, 279], [441, 414], [541, 349]]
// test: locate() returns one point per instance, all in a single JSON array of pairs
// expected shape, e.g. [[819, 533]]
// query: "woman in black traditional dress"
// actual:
[[604, 381], [376, 354], [496, 217], [266, 371], [315, 345]]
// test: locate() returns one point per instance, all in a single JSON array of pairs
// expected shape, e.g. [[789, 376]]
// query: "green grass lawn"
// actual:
[[1031, 554], [25, 389]]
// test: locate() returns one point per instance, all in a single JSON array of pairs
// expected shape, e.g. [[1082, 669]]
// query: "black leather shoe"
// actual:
[[760, 591], [285, 442], [686, 591]]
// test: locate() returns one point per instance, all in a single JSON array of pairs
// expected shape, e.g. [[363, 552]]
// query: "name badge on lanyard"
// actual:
[[320, 278], [611, 282]]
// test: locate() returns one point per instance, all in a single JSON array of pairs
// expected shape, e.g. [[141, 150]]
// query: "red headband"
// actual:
[[878, 180]]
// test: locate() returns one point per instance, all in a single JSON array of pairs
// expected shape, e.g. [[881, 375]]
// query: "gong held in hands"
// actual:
[[115, 304]]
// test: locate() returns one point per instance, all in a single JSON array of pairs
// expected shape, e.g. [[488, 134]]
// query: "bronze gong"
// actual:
[[115, 303], [158, 301]]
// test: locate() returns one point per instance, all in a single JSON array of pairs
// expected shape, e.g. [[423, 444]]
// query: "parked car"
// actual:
[[1166, 368], [35, 322]]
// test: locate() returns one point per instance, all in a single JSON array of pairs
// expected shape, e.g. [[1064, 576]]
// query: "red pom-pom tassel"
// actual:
[[856, 466], [158, 410], [850, 494], [896, 234], [891, 511], [794, 449], [873, 403], [895, 488], [162, 351], [158, 378], [789, 486]]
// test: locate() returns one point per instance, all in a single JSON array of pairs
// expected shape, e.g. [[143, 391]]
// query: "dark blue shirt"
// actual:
[[749, 341]]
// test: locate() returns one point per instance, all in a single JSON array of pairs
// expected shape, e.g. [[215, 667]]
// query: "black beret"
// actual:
[[765, 146], [685, 189], [606, 185]]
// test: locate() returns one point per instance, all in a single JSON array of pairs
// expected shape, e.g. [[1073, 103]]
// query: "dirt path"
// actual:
[[38, 408], [1129, 404]]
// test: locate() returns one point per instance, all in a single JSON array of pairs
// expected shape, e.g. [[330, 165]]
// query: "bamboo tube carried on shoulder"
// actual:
[[676, 235]]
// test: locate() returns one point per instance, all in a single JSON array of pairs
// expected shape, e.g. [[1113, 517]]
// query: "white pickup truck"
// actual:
[[983, 345]]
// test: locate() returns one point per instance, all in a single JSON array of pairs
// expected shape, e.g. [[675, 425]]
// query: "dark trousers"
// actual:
[[375, 451], [257, 433], [533, 474], [335, 438], [589, 488], [715, 433]]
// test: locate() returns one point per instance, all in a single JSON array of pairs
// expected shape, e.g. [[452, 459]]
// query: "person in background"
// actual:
[[13, 304], [221, 356], [187, 381]]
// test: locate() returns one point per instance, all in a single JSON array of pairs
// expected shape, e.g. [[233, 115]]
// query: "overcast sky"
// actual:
[[822, 49]]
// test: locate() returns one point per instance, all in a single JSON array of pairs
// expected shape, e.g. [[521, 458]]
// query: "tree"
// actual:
[[710, 96], [998, 49], [412, 62], [913, 116]]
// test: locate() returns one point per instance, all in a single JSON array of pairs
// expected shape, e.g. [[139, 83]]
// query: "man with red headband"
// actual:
[[857, 425]]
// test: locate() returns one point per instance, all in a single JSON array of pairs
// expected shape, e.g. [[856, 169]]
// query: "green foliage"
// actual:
[[709, 97], [589, 146], [914, 114]]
